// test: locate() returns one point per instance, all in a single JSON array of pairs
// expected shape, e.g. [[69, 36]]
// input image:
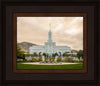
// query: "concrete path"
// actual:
[[38, 63]]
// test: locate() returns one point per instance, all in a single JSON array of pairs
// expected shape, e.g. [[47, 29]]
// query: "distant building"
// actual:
[[49, 47]]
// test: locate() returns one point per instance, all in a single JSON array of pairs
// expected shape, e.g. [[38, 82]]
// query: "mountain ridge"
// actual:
[[25, 46]]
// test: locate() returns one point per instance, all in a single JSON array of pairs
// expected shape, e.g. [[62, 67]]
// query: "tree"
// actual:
[[80, 54], [65, 54], [20, 53], [39, 54], [44, 54], [60, 53], [28, 54], [59, 59], [35, 54], [56, 54]]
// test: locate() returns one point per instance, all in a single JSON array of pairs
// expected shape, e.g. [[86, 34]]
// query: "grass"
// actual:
[[31, 66]]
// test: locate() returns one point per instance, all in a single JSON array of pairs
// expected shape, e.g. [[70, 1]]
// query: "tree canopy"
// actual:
[[35, 54], [20, 53], [56, 54], [44, 54], [80, 53]]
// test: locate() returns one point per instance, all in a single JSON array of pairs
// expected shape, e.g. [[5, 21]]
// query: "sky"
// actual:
[[66, 31]]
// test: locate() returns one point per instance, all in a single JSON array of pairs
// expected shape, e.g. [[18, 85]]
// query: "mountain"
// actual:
[[25, 46], [74, 51]]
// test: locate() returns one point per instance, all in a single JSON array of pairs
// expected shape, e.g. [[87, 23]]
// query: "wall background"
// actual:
[[42, 2]]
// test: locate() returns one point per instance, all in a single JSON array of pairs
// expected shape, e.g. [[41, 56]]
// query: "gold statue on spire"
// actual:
[[50, 26]]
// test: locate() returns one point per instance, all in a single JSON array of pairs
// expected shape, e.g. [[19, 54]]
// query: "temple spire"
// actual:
[[50, 26], [50, 34]]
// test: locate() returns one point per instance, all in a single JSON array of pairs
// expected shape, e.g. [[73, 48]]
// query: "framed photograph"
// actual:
[[33, 37], [55, 43]]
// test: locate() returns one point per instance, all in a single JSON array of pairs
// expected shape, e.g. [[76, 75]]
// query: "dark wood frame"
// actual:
[[84, 15], [9, 77]]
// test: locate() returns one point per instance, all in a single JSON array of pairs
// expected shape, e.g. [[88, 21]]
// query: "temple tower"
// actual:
[[50, 35]]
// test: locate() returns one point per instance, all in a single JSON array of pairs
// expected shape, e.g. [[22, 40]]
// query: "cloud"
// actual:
[[65, 30]]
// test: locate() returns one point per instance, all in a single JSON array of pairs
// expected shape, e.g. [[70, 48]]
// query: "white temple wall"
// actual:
[[42, 49]]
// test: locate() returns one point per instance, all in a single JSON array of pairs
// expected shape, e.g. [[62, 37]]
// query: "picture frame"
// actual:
[[84, 15], [89, 77]]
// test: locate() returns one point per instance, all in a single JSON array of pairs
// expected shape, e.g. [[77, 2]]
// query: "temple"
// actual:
[[49, 47]]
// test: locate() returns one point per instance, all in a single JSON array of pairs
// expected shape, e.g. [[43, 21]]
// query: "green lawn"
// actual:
[[31, 66]]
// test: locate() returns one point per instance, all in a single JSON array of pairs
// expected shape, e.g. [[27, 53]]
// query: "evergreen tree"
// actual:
[[80, 54], [56, 54], [20, 53], [44, 54]]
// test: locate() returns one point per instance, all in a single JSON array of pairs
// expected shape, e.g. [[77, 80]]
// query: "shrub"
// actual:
[[40, 59], [34, 60], [59, 59], [30, 60], [69, 59], [53, 58], [65, 59], [54, 61]]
